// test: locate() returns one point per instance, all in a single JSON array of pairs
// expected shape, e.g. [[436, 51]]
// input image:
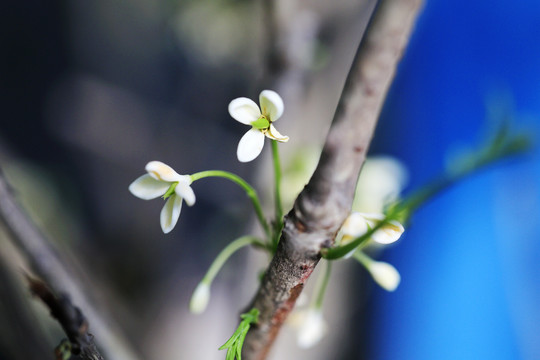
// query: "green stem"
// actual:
[[226, 253], [278, 205], [402, 211], [340, 251], [363, 259], [322, 284], [250, 191]]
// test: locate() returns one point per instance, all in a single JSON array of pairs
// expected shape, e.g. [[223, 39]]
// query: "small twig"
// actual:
[[17, 321], [275, 58], [46, 263], [325, 202], [70, 318]]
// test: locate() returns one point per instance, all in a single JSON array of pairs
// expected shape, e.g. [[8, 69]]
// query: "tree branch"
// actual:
[[325, 202], [70, 318], [45, 262]]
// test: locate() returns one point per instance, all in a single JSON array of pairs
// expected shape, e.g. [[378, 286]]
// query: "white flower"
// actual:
[[312, 327], [162, 180], [381, 181], [357, 224], [199, 299], [247, 112]]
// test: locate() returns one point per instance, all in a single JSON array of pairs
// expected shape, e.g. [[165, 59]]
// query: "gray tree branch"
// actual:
[[71, 319], [46, 263], [325, 202]]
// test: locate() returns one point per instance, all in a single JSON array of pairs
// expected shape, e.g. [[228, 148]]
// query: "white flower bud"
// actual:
[[199, 299], [384, 274]]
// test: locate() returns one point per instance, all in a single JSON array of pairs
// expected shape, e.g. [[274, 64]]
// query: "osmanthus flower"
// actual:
[[261, 120], [162, 180], [357, 224]]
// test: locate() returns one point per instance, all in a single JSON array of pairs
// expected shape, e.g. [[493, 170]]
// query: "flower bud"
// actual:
[[199, 299], [384, 274]]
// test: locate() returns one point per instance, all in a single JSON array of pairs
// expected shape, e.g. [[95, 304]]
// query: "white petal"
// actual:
[[250, 146], [161, 171], [271, 104], [147, 188], [355, 225], [170, 213], [244, 110], [272, 133], [185, 191], [389, 233], [385, 275], [373, 217]]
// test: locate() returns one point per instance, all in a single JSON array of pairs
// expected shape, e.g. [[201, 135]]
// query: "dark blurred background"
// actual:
[[92, 91]]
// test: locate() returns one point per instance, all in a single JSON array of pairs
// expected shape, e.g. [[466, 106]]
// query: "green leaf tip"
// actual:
[[236, 341]]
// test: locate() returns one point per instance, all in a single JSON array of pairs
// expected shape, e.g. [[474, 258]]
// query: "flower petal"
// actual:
[[170, 213], [273, 134], [355, 225], [389, 233], [250, 146], [185, 191], [271, 104], [146, 187], [161, 171], [244, 110]]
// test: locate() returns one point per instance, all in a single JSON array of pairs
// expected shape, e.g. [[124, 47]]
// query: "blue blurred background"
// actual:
[[92, 91], [470, 262]]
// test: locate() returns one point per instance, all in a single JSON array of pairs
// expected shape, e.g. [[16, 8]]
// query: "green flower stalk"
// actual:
[[201, 295], [250, 192]]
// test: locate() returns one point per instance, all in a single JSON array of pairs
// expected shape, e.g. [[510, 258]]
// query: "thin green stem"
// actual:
[[363, 258], [250, 191], [322, 284], [502, 146], [226, 253], [277, 182], [340, 251]]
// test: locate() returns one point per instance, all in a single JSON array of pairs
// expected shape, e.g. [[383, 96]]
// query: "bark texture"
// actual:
[[325, 202]]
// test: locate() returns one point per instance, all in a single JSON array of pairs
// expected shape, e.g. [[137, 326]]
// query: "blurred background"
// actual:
[[92, 91]]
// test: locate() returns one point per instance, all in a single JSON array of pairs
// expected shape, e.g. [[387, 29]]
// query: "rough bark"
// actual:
[[325, 202]]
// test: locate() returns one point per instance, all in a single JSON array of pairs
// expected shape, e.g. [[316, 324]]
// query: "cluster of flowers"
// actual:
[[162, 181]]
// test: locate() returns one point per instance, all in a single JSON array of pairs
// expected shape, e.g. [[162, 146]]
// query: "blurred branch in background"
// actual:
[[44, 260], [81, 342], [325, 202], [14, 310]]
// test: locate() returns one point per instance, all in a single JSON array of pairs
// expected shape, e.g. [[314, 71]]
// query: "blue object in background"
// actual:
[[470, 261]]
